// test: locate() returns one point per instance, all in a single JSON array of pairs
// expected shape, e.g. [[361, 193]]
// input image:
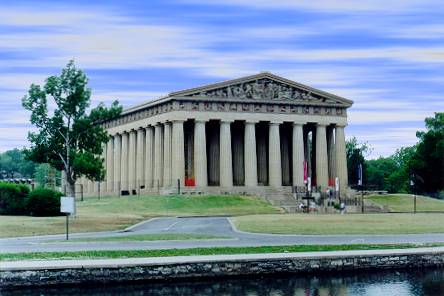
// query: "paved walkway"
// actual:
[[216, 226]]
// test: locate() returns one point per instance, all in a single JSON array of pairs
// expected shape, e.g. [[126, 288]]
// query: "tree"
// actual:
[[69, 138], [399, 179], [355, 155], [14, 162], [46, 175], [378, 172], [428, 160]]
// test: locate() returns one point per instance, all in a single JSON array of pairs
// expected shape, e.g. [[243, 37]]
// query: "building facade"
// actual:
[[261, 132]]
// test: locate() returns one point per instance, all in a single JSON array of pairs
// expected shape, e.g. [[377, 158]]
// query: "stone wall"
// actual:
[[224, 266]]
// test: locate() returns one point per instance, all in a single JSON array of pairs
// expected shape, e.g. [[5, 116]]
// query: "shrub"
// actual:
[[43, 202], [13, 199]]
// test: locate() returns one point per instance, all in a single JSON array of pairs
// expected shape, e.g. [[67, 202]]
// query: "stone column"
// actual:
[[140, 157], [149, 165], [158, 156], [167, 155], [321, 156], [200, 154], [274, 158], [117, 168], [341, 159], [90, 187], [124, 163], [109, 166], [132, 161], [250, 154], [178, 153], [226, 162], [331, 153], [298, 154]]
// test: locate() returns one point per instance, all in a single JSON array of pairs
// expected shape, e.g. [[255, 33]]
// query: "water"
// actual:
[[392, 283]]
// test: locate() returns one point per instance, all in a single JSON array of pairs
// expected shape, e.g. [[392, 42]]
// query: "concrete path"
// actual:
[[216, 226]]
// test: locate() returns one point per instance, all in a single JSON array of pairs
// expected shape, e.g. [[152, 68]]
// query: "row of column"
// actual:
[[337, 165], [143, 158], [153, 157]]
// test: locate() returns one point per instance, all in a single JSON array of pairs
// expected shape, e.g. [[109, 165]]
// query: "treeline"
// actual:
[[14, 165], [418, 168]]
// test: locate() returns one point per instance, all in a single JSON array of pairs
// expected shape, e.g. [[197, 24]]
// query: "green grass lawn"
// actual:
[[144, 237], [404, 202], [342, 224], [200, 251], [112, 213]]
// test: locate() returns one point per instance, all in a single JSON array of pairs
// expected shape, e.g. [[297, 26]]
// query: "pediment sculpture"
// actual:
[[260, 89]]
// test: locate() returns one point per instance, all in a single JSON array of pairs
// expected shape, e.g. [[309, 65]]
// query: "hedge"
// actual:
[[16, 199], [13, 199], [43, 202]]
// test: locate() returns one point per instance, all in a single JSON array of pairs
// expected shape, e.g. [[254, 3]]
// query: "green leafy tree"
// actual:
[[428, 163], [14, 161], [399, 179], [378, 172], [356, 153], [46, 176], [68, 138]]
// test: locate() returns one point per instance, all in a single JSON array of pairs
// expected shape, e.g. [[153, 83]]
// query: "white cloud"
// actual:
[[372, 117], [422, 31], [381, 6], [406, 53], [20, 81], [126, 98], [385, 141], [13, 137], [54, 17]]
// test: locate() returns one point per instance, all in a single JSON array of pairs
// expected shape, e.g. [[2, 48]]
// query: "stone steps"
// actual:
[[281, 197]]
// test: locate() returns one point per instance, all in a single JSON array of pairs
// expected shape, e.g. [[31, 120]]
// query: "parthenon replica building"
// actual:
[[260, 133]]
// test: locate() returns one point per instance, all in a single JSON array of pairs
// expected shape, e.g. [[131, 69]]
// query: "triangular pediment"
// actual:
[[264, 87]]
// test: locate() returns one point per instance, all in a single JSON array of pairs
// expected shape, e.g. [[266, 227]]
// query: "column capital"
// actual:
[[299, 123], [321, 124], [276, 122], [177, 121], [340, 125], [200, 120], [254, 121]]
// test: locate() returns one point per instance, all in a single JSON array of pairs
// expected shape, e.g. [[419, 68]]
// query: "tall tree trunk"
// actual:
[[71, 190]]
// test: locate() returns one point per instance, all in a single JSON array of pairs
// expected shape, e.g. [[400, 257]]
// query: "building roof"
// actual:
[[264, 86]]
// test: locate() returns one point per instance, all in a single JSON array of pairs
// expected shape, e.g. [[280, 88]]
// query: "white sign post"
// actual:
[[67, 206]]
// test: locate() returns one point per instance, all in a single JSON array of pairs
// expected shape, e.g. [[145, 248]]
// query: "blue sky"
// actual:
[[387, 56]]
